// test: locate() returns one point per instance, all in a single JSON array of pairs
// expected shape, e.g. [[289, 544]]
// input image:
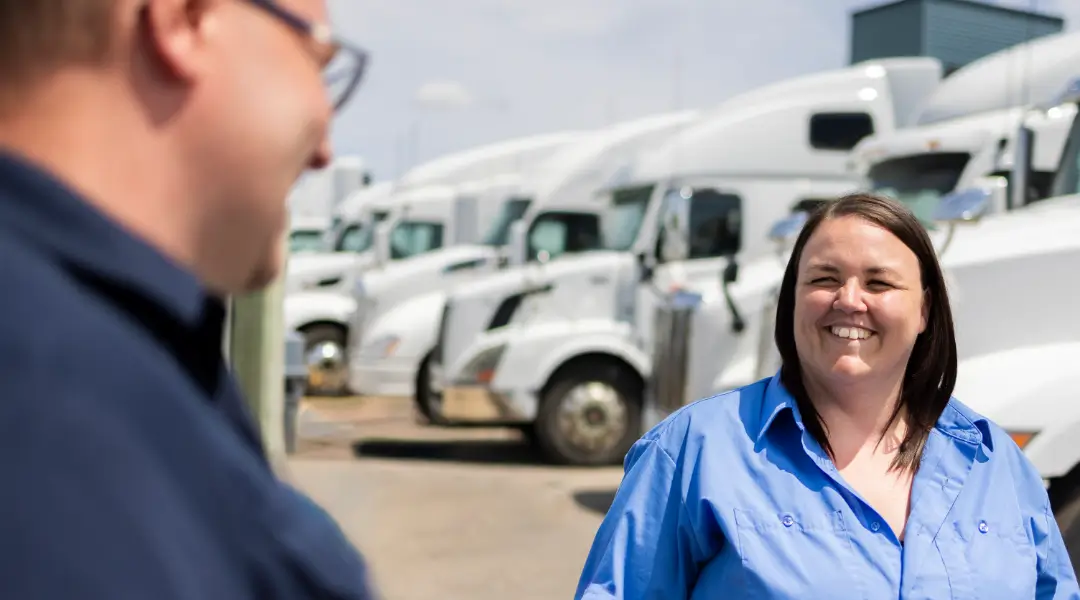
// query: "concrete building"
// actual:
[[955, 32]]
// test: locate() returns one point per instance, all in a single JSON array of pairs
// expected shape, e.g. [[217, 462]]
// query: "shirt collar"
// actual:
[[51, 216], [956, 421]]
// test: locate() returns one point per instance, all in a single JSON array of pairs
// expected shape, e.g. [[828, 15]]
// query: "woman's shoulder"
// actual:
[[1002, 451], [722, 419]]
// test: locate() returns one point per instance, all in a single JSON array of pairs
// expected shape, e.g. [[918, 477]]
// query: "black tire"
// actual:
[[557, 446], [427, 402], [323, 334]]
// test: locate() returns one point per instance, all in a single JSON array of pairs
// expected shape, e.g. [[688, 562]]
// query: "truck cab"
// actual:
[[568, 364], [558, 214], [963, 139]]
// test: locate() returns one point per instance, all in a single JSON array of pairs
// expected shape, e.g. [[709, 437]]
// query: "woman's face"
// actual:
[[859, 303]]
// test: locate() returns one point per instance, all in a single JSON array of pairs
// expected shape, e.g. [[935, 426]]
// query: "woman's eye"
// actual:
[[821, 280], [879, 284]]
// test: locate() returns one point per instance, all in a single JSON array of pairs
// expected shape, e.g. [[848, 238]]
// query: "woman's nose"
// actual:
[[849, 297]]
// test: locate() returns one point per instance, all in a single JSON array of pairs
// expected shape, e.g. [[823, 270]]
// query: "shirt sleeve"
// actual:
[[1056, 579], [646, 547]]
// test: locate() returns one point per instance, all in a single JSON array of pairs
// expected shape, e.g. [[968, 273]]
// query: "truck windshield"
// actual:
[[919, 181], [622, 220], [305, 240], [358, 237], [1067, 181], [512, 210]]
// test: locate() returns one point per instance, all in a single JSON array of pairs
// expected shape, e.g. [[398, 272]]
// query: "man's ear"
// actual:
[[175, 32]]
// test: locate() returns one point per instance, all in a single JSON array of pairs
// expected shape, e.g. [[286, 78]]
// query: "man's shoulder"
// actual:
[[47, 316]]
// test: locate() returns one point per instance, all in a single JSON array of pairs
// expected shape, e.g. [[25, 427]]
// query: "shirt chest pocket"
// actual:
[[796, 554], [989, 558]]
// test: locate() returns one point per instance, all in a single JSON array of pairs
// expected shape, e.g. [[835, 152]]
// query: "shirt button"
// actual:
[[875, 526], [787, 521], [983, 527]]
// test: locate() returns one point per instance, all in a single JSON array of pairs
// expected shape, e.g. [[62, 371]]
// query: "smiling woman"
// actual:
[[763, 491]]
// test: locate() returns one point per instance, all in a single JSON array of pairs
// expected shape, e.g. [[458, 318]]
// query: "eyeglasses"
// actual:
[[346, 68]]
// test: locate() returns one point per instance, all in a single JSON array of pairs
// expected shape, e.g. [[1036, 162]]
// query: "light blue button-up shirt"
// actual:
[[731, 498]]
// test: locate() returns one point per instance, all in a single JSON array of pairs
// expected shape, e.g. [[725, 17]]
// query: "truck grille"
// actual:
[[671, 338]]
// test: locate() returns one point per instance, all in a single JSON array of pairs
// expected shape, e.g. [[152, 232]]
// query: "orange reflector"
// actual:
[[1021, 437], [485, 376]]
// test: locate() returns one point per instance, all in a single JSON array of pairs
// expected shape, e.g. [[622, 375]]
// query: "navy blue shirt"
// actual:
[[130, 466]]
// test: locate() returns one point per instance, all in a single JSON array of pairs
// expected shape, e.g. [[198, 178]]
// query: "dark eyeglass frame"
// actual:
[[321, 33]]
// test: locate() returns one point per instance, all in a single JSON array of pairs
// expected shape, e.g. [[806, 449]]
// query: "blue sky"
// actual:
[[449, 75]]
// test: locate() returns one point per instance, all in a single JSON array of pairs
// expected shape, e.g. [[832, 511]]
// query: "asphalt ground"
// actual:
[[448, 514]]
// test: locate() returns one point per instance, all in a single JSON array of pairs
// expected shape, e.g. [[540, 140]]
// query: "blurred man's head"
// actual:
[[187, 120]]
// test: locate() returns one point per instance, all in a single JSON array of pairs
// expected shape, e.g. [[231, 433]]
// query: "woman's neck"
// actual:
[[857, 414]]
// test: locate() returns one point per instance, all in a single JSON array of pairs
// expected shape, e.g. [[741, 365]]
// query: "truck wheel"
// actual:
[[590, 415], [324, 349], [428, 398]]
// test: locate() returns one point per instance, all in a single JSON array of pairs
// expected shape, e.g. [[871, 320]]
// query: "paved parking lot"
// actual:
[[449, 514]]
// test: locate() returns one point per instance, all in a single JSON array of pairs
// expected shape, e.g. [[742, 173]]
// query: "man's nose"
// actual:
[[323, 154]]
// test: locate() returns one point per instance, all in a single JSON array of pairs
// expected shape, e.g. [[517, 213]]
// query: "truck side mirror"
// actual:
[[1020, 178], [789, 227], [963, 206], [518, 243], [731, 274], [382, 243]]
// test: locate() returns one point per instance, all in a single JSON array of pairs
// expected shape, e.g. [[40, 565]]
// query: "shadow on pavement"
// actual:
[[597, 501], [463, 451]]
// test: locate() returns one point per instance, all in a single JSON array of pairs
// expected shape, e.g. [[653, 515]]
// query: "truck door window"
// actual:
[[512, 210], [715, 224], [558, 233], [354, 238], [410, 238], [919, 181], [623, 219], [305, 240], [839, 131]]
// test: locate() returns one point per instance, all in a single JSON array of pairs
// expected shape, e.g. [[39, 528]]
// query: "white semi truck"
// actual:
[[964, 139], [430, 206], [557, 214], [1013, 284], [420, 221], [567, 360]]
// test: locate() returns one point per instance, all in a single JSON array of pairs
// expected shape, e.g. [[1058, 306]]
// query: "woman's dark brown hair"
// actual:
[[931, 371]]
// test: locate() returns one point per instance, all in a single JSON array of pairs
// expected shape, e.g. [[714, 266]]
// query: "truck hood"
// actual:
[[458, 262], [305, 271], [1048, 226]]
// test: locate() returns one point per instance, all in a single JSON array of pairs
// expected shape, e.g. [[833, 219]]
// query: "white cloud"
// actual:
[[558, 64], [439, 94]]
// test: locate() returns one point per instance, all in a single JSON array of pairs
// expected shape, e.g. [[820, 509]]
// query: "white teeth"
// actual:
[[851, 333]]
